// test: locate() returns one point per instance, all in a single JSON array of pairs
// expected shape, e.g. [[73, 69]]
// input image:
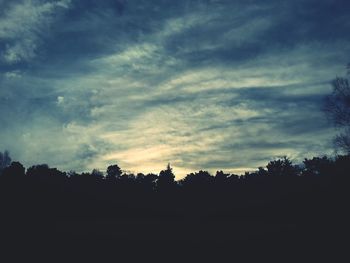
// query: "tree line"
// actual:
[[278, 206], [337, 166]]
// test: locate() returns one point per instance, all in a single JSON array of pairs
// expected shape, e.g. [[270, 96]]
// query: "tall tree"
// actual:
[[166, 178], [337, 108], [113, 172]]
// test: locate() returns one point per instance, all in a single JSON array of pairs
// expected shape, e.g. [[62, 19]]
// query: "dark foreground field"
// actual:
[[264, 233], [181, 240]]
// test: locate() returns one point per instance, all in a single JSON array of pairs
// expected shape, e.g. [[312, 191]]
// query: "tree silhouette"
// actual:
[[15, 171], [281, 167], [221, 177], [342, 167], [261, 172], [148, 182], [337, 108], [38, 171], [97, 174], [166, 179], [318, 166], [199, 179], [113, 172], [44, 173]]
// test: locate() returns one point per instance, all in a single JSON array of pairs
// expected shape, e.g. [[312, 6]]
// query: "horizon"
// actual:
[[7, 161], [210, 84]]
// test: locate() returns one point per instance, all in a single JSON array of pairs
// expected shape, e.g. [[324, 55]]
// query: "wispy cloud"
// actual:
[[23, 26], [200, 84]]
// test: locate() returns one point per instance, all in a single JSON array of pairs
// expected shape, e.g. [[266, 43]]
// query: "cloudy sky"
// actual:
[[202, 84]]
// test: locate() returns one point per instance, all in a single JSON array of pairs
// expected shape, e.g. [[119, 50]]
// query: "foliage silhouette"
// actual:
[[16, 169], [113, 172], [281, 167], [166, 179], [318, 166], [201, 179]]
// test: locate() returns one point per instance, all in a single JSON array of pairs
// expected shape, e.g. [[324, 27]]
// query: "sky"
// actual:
[[202, 84]]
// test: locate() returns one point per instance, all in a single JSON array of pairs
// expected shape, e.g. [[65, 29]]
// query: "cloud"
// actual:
[[23, 26], [200, 84]]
